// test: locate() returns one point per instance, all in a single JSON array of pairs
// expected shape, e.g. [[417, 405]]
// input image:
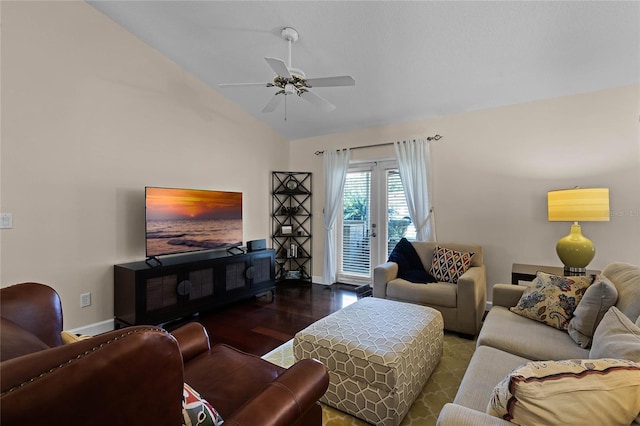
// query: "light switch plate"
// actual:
[[6, 220]]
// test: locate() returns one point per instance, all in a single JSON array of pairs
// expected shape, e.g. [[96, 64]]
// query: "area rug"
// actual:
[[440, 388]]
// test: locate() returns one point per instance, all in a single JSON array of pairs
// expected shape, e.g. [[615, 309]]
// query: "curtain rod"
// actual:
[[429, 138]]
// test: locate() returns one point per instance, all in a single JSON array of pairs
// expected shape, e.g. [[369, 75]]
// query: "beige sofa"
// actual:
[[508, 340], [462, 305]]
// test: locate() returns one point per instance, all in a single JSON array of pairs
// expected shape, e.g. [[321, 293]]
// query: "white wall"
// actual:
[[493, 168], [90, 115]]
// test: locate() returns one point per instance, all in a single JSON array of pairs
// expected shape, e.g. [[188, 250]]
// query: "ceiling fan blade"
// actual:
[[273, 103], [343, 80], [245, 84], [279, 67], [317, 100]]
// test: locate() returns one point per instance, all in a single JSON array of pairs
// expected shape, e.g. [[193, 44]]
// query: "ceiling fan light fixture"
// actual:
[[289, 89]]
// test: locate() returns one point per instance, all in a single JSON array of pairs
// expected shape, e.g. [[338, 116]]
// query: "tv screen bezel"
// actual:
[[196, 250]]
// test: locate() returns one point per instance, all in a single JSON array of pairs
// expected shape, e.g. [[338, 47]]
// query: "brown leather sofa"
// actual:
[[135, 375]]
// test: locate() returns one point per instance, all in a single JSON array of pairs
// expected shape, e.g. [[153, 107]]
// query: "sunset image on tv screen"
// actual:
[[184, 220]]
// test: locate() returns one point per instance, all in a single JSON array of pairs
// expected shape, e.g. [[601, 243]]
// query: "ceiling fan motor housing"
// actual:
[[289, 34]]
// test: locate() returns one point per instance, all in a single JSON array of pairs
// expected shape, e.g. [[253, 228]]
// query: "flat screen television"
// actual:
[[188, 220]]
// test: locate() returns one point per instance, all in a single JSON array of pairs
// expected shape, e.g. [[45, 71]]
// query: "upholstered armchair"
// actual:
[[136, 375], [461, 303]]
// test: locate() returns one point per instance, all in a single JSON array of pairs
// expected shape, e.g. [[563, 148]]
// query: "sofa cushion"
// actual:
[[410, 266], [504, 330], [544, 392], [552, 299], [447, 265], [488, 366], [599, 297], [434, 294], [626, 278], [196, 410], [237, 377], [616, 337]]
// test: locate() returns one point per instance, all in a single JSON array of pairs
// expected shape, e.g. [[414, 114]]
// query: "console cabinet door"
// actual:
[[234, 273], [263, 266]]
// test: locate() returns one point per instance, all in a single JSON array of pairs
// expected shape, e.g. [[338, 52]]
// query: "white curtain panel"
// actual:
[[413, 163], [335, 166]]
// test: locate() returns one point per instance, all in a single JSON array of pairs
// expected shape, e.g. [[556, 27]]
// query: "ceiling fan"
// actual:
[[293, 81]]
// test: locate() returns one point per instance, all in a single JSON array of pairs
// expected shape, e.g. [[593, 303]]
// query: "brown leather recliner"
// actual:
[[135, 375]]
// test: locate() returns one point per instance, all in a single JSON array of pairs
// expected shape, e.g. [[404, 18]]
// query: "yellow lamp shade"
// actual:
[[579, 205]]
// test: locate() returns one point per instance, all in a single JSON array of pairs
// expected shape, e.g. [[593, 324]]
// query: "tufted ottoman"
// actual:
[[379, 353]]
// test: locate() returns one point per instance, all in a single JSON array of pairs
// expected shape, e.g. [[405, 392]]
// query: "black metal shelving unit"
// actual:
[[291, 235]]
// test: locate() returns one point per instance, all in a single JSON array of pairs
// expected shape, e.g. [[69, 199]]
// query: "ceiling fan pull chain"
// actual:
[[285, 107]]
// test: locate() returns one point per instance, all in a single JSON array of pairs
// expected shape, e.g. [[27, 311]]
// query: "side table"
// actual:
[[524, 272]]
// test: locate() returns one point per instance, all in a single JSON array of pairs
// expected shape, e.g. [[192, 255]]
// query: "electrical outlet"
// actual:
[[6, 220], [85, 300]]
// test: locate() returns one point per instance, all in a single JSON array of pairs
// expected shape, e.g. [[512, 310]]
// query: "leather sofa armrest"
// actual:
[[192, 339], [507, 295], [115, 378], [457, 415], [287, 398], [382, 274]]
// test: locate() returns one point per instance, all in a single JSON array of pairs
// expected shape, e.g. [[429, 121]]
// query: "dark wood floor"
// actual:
[[261, 324]]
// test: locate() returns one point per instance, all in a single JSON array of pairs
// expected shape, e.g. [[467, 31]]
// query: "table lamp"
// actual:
[[577, 205]]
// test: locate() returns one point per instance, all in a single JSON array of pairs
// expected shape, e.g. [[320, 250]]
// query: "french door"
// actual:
[[374, 218]]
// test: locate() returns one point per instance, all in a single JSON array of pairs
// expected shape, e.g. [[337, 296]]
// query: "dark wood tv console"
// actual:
[[188, 284]]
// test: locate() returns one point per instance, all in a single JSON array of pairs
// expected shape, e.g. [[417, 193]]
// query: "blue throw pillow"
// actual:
[[410, 266]]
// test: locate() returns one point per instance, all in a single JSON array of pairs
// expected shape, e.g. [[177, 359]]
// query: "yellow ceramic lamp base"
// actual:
[[575, 250]]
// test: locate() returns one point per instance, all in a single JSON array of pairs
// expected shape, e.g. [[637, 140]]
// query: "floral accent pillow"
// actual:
[[552, 299], [569, 392], [448, 265], [196, 410]]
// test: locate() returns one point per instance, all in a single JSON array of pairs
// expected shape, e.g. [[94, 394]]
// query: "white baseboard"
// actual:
[[318, 280], [95, 328], [488, 305]]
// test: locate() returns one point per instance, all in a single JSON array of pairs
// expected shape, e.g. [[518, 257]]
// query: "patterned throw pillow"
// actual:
[[68, 337], [447, 265], [196, 410], [569, 392], [551, 299]]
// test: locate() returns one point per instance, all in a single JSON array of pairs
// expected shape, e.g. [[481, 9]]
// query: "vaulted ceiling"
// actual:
[[410, 60]]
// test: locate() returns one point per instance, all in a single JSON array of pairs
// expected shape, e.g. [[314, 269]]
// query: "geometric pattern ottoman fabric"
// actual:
[[379, 353]]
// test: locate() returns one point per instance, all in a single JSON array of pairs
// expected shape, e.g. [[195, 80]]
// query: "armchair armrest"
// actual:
[[192, 339], [382, 274], [472, 299], [114, 378], [287, 398], [507, 295], [36, 308], [457, 415]]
